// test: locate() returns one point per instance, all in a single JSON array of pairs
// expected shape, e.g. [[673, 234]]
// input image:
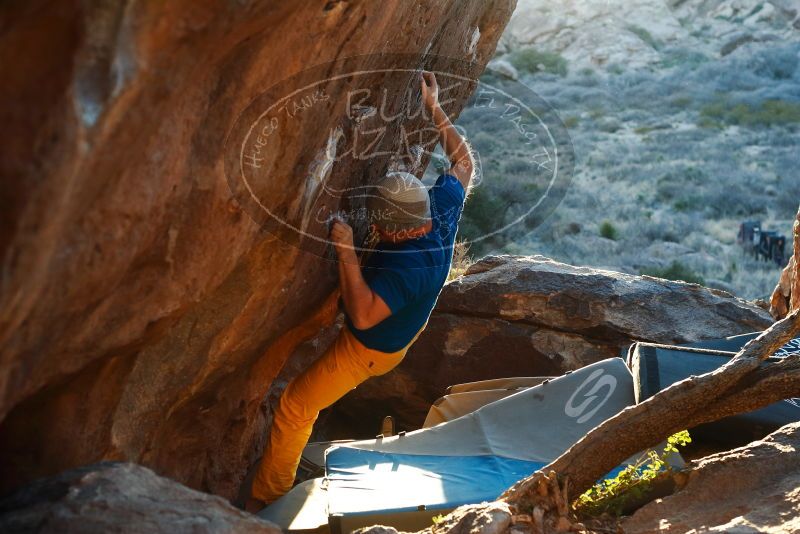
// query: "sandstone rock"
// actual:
[[786, 296], [636, 33], [590, 34], [121, 497], [143, 313], [735, 42], [601, 305], [749, 489], [486, 518], [504, 68], [532, 316]]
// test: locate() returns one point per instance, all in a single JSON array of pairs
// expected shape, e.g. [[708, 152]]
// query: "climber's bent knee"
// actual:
[[344, 366]]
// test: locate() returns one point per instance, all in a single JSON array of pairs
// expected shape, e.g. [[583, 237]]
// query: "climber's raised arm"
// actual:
[[455, 146]]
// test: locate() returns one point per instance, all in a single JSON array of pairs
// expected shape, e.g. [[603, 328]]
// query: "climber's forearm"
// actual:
[[364, 308], [455, 146]]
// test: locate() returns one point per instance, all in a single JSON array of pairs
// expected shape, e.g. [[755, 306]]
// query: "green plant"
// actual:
[[571, 121], [685, 58], [484, 142], [681, 101], [768, 113], [516, 166], [616, 68], [644, 35], [437, 519], [632, 483], [682, 204], [483, 212], [608, 230], [689, 203], [676, 271], [596, 112], [532, 60]]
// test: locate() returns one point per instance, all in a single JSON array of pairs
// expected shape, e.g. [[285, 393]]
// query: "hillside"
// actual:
[[684, 119]]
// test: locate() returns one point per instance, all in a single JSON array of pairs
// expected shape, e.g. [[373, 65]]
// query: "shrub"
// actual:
[[632, 483], [461, 260], [516, 166], [596, 112], [609, 125], [644, 35], [608, 230], [681, 101], [690, 203], [483, 212], [768, 113], [676, 271], [686, 59], [571, 121], [533, 61], [484, 142], [616, 68]]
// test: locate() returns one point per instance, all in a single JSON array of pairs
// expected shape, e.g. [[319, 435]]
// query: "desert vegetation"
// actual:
[[669, 159]]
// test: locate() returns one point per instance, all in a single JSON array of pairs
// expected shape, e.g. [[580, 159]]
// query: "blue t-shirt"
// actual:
[[409, 276]]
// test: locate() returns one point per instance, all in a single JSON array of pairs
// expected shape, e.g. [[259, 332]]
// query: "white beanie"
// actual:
[[399, 201]]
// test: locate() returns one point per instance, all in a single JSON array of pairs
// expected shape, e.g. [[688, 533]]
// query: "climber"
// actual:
[[386, 306]]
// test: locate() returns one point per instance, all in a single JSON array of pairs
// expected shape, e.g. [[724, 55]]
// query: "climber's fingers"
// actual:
[[341, 234], [429, 78], [430, 89], [429, 84]]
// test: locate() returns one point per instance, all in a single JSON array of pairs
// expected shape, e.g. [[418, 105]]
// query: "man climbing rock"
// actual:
[[387, 304]]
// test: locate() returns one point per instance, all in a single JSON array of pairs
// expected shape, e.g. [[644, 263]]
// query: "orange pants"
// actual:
[[343, 367]]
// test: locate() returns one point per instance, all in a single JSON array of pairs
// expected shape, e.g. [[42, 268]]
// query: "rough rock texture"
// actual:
[[636, 32], [486, 518], [143, 313], [593, 33], [532, 316], [121, 497], [786, 297], [755, 488]]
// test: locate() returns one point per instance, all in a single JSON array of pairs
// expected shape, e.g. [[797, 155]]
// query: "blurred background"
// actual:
[[684, 119]]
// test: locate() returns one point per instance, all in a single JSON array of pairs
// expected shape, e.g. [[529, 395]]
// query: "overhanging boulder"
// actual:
[[143, 313]]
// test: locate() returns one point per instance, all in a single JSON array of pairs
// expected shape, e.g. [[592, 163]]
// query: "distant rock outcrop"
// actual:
[[786, 297], [532, 316], [750, 489], [143, 313], [634, 32], [120, 497]]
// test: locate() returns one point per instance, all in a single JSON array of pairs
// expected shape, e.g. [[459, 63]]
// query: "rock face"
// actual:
[[121, 497], [749, 489], [486, 518], [593, 33], [143, 313], [786, 297], [531, 316]]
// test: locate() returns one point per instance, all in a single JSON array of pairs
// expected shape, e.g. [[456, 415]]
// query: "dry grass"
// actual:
[[461, 260]]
